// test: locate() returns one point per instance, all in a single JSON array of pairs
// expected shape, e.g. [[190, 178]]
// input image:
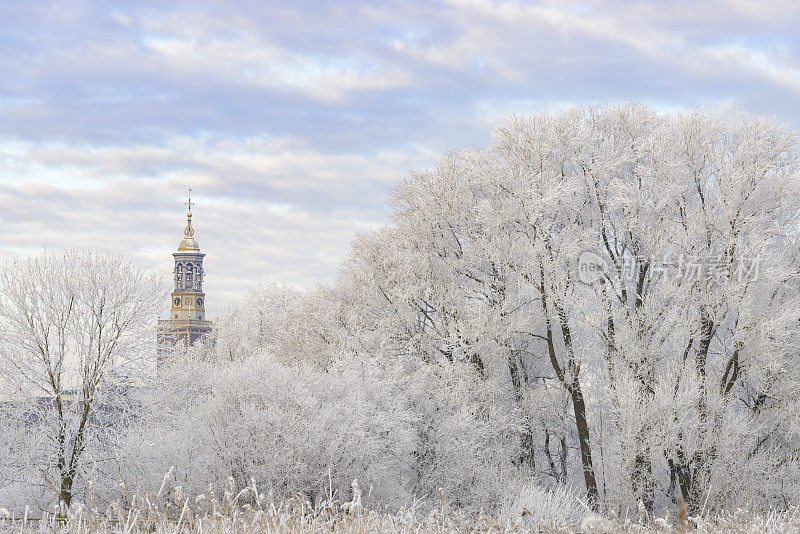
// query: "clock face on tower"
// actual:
[[199, 301], [177, 301]]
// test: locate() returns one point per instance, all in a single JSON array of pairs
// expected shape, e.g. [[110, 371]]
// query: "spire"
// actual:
[[189, 231], [188, 243]]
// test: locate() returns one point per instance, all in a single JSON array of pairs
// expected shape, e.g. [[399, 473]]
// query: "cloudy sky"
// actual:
[[291, 121]]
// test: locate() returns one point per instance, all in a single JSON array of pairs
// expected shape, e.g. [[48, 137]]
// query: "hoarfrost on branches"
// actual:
[[603, 299]]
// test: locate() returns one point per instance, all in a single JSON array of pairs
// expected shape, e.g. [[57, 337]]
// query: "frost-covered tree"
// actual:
[[73, 329], [669, 359]]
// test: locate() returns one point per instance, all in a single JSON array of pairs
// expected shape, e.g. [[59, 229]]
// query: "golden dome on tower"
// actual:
[[189, 244]]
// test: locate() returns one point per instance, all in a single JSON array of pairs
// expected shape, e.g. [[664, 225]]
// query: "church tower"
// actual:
[[187, 320]]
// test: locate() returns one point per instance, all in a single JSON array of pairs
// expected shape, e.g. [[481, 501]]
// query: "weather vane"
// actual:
[[190, 200]]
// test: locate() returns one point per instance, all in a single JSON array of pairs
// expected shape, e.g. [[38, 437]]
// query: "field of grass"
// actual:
[[247, 510]]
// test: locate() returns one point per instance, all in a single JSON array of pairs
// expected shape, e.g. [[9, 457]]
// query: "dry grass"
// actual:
[[247, 510]]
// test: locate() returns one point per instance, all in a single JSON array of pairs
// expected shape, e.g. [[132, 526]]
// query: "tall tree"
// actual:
[[71, 327]]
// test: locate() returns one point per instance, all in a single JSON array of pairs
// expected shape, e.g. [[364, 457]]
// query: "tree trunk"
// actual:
[[701, 474], [65, 492], [643, 487], [582, 425], [572, 384]]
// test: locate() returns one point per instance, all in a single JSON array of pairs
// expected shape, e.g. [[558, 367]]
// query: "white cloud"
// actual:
[[251, 60]]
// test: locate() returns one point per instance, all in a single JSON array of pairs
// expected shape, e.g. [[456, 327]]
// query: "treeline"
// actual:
[[605, 299]]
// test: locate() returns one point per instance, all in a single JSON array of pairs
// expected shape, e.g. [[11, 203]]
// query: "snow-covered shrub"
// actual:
[[401, 427], [539, 507]]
